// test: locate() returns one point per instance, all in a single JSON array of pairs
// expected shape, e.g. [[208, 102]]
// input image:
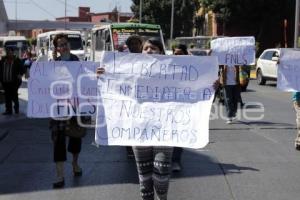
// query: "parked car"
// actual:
[[266, 66]]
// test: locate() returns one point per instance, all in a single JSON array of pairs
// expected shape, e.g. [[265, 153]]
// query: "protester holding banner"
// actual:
[[233, 52], [153, 163], [11, 71], [229, 79], [167, 103], [59, 127], [288, 80], [296, 102]]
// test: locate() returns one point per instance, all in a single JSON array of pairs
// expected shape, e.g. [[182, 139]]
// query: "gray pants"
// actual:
[[154, 167]]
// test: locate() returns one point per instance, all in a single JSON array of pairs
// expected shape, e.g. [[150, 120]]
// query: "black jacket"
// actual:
[[17, 69]]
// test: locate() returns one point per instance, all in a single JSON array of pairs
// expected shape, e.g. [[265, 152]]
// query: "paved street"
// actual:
[[248, 160]]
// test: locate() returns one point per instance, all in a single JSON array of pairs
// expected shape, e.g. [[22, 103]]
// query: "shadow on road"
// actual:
[[267, 123], [199, 164], [26, 162]]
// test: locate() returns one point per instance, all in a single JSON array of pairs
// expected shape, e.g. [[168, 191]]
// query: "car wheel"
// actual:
[[259, 78]]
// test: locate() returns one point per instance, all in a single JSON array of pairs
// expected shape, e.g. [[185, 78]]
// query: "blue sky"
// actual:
[[50, 9]]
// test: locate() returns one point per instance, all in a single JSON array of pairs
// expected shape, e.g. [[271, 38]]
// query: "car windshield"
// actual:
[[17, 44], [74, 40]]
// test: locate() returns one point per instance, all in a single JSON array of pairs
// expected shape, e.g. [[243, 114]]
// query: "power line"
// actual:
[[40, 7], [69, 5], [19, 2]]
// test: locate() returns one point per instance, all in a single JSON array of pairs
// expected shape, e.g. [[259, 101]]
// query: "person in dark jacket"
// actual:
[[179, 49], [11, 71], [134, 44]]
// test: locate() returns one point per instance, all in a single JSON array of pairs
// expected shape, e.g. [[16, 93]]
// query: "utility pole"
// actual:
[[284, 32], [296, 24], [172, 20], [16, 14], [65, 14], [141, 7]]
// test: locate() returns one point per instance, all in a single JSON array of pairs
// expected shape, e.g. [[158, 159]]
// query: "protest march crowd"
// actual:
[[147, 107]]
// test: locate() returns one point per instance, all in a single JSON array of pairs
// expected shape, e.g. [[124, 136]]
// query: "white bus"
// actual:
[[18, 43], [45, 41], [110, 37]]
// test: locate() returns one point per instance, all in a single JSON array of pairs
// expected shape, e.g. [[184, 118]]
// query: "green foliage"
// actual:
[[133, 20], [32, 41], [261, 18], [159, 12]]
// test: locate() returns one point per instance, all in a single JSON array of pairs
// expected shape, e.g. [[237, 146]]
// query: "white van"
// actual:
[[18, 43], [44, 41]]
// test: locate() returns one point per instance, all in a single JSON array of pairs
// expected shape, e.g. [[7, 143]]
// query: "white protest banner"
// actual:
[[234, 50], [289, 70], [60, 89], [155, 100]]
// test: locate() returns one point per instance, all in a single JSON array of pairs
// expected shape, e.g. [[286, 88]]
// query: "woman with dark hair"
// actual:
[[153, 46], [59, 127], [153, 162]]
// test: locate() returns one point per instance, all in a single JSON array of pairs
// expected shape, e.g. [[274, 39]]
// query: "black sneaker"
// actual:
[[59, 184], [7, 113], [297, 146]]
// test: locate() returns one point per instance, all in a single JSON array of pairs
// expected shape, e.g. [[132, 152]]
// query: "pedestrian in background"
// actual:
[[296, 103], [42, 56], [27, 62], [59, 127], [134, 44], [179, 49], [11, 72], [230, 81]]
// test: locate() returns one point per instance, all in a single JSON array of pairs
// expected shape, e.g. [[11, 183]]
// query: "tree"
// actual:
[[261, 18], [159, 12]]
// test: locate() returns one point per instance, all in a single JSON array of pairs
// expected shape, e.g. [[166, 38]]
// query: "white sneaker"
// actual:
[[229, 121]]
